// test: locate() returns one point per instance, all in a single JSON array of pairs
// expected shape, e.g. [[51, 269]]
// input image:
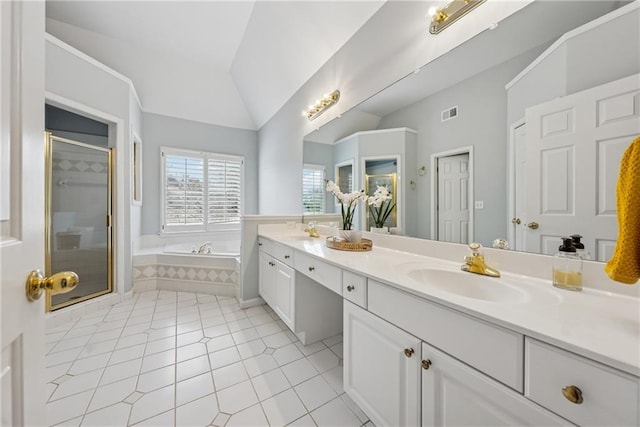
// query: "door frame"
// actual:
[[511, 181], [116, 140], [49, 183], [435, 157]]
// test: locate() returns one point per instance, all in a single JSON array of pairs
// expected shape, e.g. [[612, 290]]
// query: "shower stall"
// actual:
[[78, 217]]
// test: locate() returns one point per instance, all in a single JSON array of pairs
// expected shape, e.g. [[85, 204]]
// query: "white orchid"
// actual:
[[381, 205], [348, 199]]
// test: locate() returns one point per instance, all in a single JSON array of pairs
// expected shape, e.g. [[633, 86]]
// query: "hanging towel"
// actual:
[[624, 265]]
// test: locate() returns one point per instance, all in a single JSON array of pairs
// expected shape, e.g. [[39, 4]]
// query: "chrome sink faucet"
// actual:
[[203, 247], [475, 263]]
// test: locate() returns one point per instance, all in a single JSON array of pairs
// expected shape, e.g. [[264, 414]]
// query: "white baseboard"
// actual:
[[250, 302]]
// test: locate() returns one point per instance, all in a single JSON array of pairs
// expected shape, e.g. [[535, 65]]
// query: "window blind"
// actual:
[[200, 190]]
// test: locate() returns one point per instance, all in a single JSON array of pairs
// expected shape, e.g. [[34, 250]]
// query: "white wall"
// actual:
[[350, 70], [197, 97], [164, 131], [581, 60], [81, 84]]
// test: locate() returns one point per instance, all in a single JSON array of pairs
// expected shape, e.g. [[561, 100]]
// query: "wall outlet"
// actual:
[[479, 204]]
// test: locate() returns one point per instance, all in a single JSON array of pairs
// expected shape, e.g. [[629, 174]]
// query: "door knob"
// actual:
[[408, 352], [59, 283], [516, 221], [533, 225]]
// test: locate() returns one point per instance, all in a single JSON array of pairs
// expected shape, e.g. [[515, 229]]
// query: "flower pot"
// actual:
[[379, 230], [353, 236]]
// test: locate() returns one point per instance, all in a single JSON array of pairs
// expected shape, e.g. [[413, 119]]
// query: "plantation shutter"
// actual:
[[225, 186], [184, 190], [200, 191], [313, 188]]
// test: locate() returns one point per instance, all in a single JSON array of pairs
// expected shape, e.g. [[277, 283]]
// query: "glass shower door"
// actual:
[[78, 217]]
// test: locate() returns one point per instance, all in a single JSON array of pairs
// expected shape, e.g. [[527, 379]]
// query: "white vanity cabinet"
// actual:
[[455, 394], [308, 298], [579, 389], [267, 278], [276, 284], [398, 379], [381, 368], [411, 360]]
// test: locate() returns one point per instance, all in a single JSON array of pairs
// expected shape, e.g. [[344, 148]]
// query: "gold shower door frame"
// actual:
[[389, 180], [49, 140]]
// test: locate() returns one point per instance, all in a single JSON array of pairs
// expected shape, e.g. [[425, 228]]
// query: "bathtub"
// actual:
[[223, 248], [174, 267]]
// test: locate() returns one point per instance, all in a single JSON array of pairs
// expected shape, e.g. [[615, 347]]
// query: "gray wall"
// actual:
[[482, 109], [598, 56], [316, 153], [166, 131]]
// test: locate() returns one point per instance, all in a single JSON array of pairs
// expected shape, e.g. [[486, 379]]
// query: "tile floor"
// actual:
[[180, 359]]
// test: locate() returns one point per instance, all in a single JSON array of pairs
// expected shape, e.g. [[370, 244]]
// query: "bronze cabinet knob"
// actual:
[[573, 394]]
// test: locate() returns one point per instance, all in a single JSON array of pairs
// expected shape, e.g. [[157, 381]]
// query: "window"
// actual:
[[313, 188], [200, 191]]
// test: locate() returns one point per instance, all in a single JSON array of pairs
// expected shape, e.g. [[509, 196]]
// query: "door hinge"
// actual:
[[108, 221]]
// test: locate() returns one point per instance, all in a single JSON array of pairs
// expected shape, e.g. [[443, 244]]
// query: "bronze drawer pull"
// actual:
[[573, 394]]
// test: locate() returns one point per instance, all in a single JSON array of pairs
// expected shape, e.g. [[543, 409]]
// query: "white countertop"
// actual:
[[599, 325]]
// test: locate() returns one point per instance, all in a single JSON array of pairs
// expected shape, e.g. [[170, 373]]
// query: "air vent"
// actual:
[[449, 113]]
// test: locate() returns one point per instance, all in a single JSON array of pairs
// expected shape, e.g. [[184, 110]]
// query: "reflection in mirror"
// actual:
[[344, 176], [537, 161], [313, 192], [382, 173]]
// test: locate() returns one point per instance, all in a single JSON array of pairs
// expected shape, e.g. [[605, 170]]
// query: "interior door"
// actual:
[[453, 198], [520, 188], [574, 146], [22, 213]]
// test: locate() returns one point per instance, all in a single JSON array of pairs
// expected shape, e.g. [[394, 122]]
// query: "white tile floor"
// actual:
[[181, 359]]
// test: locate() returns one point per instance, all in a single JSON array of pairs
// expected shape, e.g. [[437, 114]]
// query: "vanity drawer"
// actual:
[[354, 288], [280, 252], [496, 351], [323, 273], [609, 397]]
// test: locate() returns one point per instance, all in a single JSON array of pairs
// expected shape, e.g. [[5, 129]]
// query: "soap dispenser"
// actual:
[[580, 250], [567, 267]]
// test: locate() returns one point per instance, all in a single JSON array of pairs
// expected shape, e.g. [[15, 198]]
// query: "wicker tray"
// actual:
[[362, 246]]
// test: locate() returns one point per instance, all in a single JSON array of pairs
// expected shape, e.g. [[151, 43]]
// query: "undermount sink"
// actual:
[[469, 285]]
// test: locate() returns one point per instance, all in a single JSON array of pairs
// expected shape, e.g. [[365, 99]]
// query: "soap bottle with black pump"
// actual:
[[580, 250], [567, 267]]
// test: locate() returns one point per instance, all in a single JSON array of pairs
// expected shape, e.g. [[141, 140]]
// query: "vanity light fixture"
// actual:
[[321, 105], [442, 17]]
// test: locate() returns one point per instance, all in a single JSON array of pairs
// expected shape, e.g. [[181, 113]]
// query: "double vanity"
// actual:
[[426, 343]]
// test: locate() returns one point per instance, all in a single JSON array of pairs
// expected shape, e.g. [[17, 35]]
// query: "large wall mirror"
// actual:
[[541, 109]]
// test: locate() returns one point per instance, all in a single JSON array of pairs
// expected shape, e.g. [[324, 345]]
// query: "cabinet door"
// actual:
[[285, 294], [381, 368], [267, 279], [456, 394]]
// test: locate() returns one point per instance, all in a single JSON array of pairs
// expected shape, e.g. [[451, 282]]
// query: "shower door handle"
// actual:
[[59, 283]]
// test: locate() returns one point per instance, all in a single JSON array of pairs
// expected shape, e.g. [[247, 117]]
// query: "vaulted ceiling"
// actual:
[[229, 63]]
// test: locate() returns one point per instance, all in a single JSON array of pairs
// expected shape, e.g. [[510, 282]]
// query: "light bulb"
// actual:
[[432, 11]]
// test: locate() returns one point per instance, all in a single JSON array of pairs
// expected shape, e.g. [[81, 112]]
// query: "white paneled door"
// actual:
[[574, 146], [22, 214], [518, 229], [453, 198]]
